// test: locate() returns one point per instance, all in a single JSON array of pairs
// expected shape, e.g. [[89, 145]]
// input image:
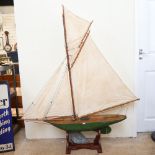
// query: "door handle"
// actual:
[[141, 53]]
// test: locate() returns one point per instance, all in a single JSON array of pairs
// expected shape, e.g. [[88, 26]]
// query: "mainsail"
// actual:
[[96, 85]]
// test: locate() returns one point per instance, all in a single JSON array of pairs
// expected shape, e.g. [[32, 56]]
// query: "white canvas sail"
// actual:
[[52, 96], [96, 85]]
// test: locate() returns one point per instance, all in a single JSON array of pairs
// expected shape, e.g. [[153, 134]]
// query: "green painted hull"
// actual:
[[86, 126]]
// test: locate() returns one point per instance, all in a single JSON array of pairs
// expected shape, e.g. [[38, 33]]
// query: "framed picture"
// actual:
[[1, 43]]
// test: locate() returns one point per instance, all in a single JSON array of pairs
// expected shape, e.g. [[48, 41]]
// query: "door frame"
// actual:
[[136, 59], [140, 43]]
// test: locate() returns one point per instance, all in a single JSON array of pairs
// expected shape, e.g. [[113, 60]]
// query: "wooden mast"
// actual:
[[68, 65]]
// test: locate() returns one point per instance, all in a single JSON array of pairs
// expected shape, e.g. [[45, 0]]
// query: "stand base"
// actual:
[[95, 145]]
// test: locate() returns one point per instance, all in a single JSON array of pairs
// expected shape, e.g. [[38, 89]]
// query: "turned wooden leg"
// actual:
[[97, 142], [97, 138], [68, 150], [99, 150]]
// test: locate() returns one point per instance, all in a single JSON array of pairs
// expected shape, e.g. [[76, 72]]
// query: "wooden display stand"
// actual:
[[95, 145]]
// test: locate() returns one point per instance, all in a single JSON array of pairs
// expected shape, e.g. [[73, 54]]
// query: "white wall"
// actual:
[[41, 48]]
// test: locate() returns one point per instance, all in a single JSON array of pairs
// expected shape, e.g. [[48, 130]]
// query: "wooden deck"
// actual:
[[88, 119]]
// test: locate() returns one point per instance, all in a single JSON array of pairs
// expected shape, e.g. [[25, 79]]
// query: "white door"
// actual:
[[146, 65]]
